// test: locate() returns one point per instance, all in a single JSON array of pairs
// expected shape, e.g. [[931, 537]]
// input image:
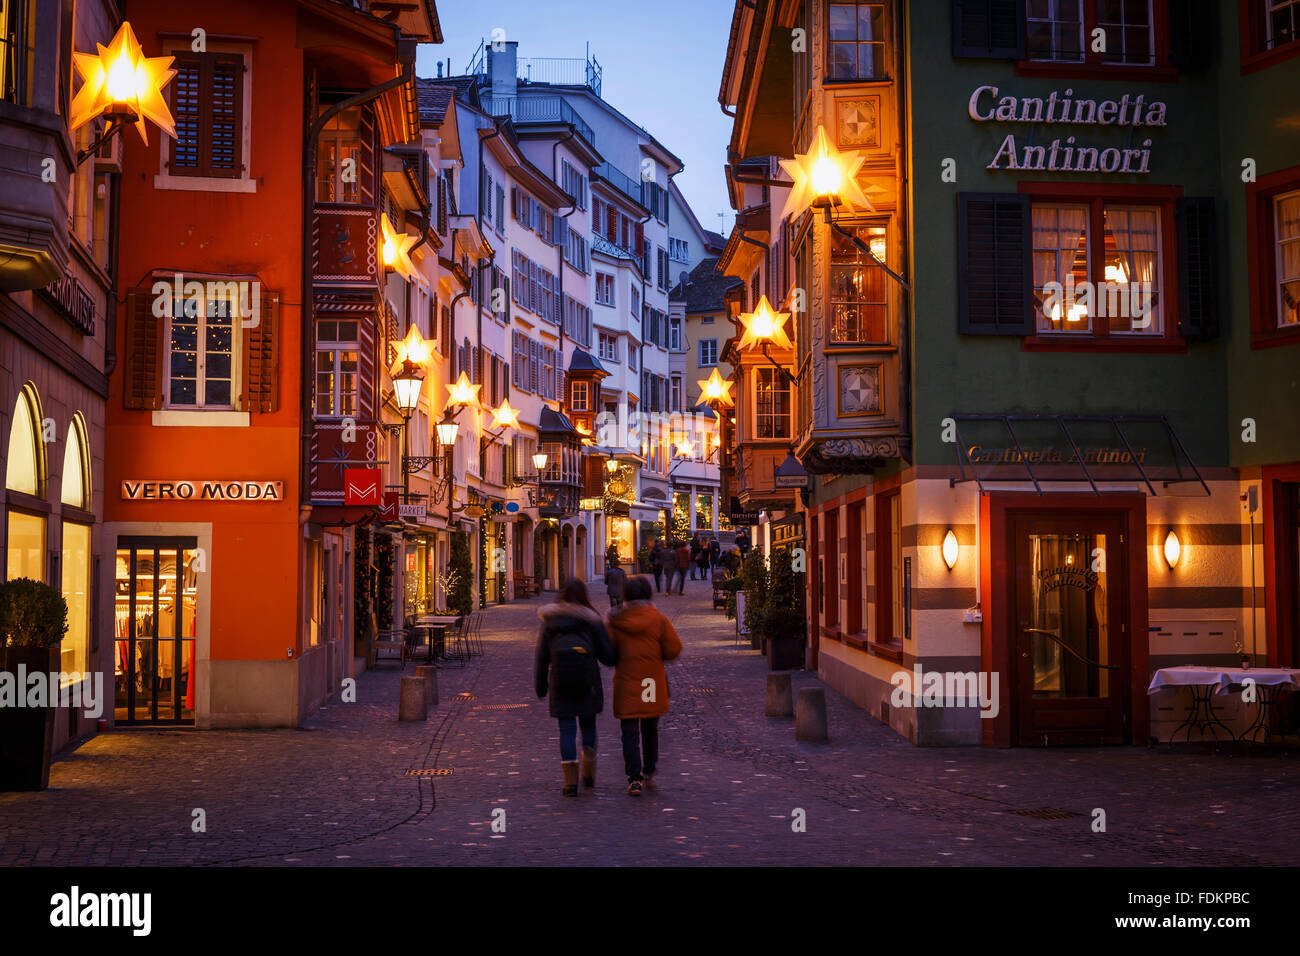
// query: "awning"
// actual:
[[1073, 448], [643, 513]]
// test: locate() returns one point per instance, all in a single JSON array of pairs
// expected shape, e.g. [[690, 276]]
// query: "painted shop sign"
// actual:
[[202, 489], [1068, 576], [1053, 456], [1064, 154], [72, 301]]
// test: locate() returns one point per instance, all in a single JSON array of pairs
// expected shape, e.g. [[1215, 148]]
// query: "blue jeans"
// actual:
[[569, 735]]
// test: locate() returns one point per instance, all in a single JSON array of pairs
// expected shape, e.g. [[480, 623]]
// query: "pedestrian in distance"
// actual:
[[702, 562], [715, 552], [572, 645], [614, 578], [657, 564], [695, 555], [683, 564], [643, 641], [669, 562]]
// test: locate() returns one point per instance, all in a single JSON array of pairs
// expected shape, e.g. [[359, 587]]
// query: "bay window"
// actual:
[[855, 47], [337, 354], [771, 404], [859, 297]]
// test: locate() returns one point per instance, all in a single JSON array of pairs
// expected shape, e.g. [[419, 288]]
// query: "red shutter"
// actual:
[[259, 392], [142, 372], [640, 238], [187, 111]]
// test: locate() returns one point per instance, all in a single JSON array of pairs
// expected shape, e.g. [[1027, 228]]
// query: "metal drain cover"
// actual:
[[501, 706], [464, 697], [431, 772], [702, 690], [1047, 813]]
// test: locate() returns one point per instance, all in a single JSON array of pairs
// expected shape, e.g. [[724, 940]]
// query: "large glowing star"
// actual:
[[122, 81], [413, 348], [686, 448], [395, 251], [764, 325], [462, 392], [715, 388], [504, 416], [824, 176]]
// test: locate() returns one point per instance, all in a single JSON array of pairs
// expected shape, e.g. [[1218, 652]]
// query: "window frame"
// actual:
[[700, 353], [1255, 55], [1261, 257], [890, 289], [244, 181], [1096, 196], [338, 346], [889, 578], [201, 352], [760, 375], [887, 44], [1092, 66]]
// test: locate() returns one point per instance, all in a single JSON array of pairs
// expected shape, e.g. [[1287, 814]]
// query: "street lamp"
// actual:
[[123, 85]]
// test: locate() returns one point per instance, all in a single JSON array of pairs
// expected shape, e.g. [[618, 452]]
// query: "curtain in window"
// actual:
[[1060, 255], [1132, 256], [1288, 253]]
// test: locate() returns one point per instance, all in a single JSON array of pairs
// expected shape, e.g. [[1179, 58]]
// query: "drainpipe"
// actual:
[[555, 172], [110, 318], [406, 55]]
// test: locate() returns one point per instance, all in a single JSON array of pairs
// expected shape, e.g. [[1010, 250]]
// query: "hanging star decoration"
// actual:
[[686, 448], [123, 82], [413, 348], [395, 251], [504, 416], [764, 325], [462, 392], [715, 388], [824, 176]]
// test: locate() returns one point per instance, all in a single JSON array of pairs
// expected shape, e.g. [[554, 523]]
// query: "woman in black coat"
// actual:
[[572, 645]]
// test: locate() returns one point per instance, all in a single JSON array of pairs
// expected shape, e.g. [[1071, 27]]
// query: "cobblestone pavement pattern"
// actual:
[[336, 791]]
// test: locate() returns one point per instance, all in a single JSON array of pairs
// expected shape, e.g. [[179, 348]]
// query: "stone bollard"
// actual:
[[411, 705], [779, 701], [430, 674], [810, 718]]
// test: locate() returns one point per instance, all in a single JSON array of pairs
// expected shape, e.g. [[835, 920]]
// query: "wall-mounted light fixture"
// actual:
[[950, 549], [1173, 548]]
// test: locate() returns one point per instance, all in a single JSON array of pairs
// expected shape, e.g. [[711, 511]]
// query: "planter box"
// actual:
[[26, 733], [785, 654]]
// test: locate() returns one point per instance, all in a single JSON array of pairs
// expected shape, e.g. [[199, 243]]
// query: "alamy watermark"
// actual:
[[82, 690], [1074, 302], [193, 298], [921, 688]]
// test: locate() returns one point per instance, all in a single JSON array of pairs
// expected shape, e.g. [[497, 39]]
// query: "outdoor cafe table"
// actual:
[[435, 625], [1205, 681]]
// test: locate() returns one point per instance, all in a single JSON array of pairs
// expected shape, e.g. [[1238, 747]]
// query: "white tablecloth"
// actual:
[[1222, 678]]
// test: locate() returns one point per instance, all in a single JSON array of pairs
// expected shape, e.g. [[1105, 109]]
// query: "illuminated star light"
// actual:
[[686, 448], [462, 392], [715, 388], [504, 416], [824, 171], [413, 347], [121, 74], [764, 325], [395, 251]]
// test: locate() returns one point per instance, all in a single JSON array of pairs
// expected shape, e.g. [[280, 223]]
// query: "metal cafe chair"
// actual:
[[456, 651], [477, 634]]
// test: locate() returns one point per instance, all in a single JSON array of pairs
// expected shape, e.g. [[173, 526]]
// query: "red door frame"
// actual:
[[997, 584], [1279, 565]]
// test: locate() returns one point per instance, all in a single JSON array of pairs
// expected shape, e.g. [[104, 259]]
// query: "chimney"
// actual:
[[440, 69], [502, 66]]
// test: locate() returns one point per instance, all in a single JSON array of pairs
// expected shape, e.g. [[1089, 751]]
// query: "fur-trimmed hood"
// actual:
[[554, 613]]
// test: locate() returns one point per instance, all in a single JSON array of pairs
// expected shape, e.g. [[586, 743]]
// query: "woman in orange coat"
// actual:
[[643, 640]]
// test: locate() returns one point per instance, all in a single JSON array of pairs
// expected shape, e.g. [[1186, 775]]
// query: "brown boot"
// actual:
[[588, 767], [570, 777]]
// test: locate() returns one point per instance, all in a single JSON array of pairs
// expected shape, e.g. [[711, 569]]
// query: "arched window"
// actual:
[[25, 473], [76, 556]]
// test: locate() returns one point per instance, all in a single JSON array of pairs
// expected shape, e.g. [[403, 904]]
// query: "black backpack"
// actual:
[[573, 654]]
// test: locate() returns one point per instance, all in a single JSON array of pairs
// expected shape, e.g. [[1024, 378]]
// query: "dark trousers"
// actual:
[[659, 578], [569, 735], [681, 577], [640, 738]]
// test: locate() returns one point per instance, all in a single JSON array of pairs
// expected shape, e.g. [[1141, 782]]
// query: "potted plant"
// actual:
[[784, 623], [753, 575], [33, 620]]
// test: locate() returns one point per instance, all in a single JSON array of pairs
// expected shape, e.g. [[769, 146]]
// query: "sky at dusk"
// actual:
[[662, 67]]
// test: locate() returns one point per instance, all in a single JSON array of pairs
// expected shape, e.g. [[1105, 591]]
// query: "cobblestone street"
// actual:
[[336, 792]]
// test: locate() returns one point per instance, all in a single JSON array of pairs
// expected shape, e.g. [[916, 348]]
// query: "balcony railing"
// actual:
[[539, 109], [620, 181], [558, 71]]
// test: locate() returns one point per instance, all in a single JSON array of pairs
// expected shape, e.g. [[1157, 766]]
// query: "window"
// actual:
[[336, 368], [1117, 280], [604, 289], [708, 352], [1281, 21], [675, 402], [890, 625], [675, 334], [633, 354], [771, 404], [581, 396], [661, 257], [200, 368], [338, 159], [679, 250], [859, 297], [1061, 31], [25, 472], [207, 103], [855, 48], [574, 183], [577, 321], [575, 250], [75, 558], [1286, 230], [608, 347]]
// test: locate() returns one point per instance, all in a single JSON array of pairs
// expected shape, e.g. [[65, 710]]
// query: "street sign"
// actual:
[[512, 507], [361, 486], [413, 511], [473, 511]]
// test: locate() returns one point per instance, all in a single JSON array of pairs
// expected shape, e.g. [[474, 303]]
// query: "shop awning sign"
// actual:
[[202, 489], [361, 486]]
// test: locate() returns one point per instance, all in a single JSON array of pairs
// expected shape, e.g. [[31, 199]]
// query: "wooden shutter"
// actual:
[[142, 369], [187, 111], [258, 392], [1198, 274], [612, 217], [1193, 34], [994, 264], [561, 230], [989, 29], [225, 115], [366, 175]]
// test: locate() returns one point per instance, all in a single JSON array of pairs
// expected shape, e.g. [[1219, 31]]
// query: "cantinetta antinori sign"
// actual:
[[203, 489], [1063, 154]]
